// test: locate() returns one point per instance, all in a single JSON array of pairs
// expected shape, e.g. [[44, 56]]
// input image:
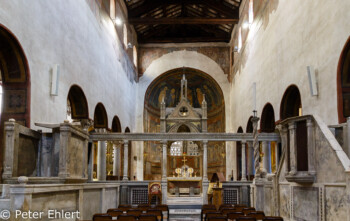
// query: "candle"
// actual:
[[254, 96]]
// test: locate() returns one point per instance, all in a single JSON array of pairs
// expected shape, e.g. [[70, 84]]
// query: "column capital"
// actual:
[[205, 141], [292, 125], [255, 119], [164, 142], [243, 141], [125, 141]]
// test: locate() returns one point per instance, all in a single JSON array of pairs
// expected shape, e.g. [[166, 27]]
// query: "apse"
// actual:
[[167, 87]]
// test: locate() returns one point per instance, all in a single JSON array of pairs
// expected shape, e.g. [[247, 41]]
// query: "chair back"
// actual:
[[212, 214], [127, 217], [248, 210], [234, 215], [274, 218], [240, 207], [218, 218], [163, 208], [156, 212], [246, 218], [207, 206], [114, 212], [225, 211], [225, 206], [124, 207], [101, 217], [257, 214], [205, 211], [147, 217], [135, 212]]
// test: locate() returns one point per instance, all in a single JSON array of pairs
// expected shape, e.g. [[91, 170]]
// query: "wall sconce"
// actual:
[[245, 25], [235, 49], [129, 45]]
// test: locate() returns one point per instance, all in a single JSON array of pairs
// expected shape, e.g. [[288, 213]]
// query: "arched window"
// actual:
[[100, 117], [343, 84], [116, 127], [77, 106], [291, 103], [267, 123]]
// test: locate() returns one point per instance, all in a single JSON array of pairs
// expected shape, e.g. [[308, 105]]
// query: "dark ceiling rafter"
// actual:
[[163, 21]]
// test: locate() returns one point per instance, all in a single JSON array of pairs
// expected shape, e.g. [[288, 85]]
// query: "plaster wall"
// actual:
[[86, 47], [284, 39]]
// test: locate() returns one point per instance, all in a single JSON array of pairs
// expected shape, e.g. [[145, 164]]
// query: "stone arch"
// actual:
[[15, 79], [291, 103], [78, 103], [343, 83], [267, 122], [15, 83], [116, 127], [188, 59], [249, 128], [192, 128], [100, 117]]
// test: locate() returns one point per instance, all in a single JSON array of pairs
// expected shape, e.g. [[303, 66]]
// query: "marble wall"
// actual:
[[87, 199], [327, 198]]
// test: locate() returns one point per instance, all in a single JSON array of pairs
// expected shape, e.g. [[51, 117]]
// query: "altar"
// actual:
[[184, 186]]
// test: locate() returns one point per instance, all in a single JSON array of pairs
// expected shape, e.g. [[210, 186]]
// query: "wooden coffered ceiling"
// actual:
[[182, 21]]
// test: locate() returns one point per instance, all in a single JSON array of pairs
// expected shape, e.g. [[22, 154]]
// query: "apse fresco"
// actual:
[[168, 86]]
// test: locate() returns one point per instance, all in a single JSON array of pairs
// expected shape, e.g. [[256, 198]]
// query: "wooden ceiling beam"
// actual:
[[181, 21], [183, 40], [150, 5]]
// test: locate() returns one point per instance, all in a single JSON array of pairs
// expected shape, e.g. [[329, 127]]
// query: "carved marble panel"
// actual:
[[306, 203]]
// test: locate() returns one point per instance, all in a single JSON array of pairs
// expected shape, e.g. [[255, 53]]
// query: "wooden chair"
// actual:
[[135, 212], [156, 212], [225, 211], [234, 215], [274, 218], [208, 206], [127, 217], [224, 206], [124, 207], [147, 217], [257, 214], [114, 212], [246, 218], [101, 217], [205, 211], [218, 218], [248, 210], [143, 207], [163, 208], [240, 207], [212, 214]]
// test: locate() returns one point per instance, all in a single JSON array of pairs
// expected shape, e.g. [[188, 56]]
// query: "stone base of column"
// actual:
[[124, 199], [164, 191], [125, 178], [205, 186]]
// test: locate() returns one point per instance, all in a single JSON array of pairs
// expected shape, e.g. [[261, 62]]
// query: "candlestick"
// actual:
[[254, 96]]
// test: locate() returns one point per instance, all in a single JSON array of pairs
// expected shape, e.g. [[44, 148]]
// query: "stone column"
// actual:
[[205, 182], [116, 160], [126, 160], [292, 146], [311, 147], [244, 169], [265, 149], [276, 155], [91, 164], [250, 164], [256, 147], [101, 160], [205, 160], [164, 172], [164, 160]]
